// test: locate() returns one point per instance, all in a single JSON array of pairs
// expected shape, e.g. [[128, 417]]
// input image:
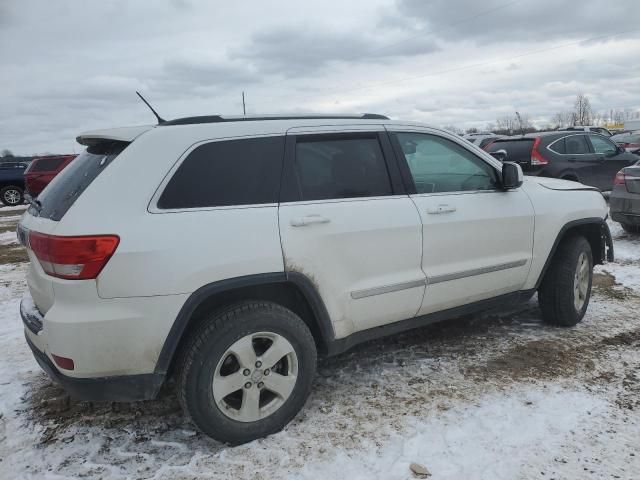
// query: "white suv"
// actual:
[[227, 252]]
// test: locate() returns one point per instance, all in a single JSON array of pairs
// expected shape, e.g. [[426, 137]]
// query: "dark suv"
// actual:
[[12, 183], [584, 157]]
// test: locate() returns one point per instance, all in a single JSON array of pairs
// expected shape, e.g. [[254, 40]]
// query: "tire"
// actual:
[[558, 292], [11, 196], [209, 363], [627, 227]]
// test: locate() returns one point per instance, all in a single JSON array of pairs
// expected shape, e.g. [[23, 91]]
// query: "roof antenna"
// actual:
[[160, 119]]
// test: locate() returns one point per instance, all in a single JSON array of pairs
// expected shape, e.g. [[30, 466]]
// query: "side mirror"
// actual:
[[512, 176], [500, 155]]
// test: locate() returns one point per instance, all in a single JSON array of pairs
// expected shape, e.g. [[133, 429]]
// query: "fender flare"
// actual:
[[606, 241], [304, 284]]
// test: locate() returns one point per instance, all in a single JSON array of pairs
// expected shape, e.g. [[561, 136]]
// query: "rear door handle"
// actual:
[[442, 208], [308, 220]]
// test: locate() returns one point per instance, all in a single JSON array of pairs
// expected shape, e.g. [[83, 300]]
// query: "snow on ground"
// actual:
[[8, 237], [493, 396]]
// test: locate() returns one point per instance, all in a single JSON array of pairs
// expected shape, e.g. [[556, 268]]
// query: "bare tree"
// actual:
[[582, 110], [563, 119], [453, 129], [7, 153]]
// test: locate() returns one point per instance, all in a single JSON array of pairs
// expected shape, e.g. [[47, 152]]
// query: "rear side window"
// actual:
[[517, 150], [340, 167], [576, 145], [226, 173], [71, 182], [46, 165]]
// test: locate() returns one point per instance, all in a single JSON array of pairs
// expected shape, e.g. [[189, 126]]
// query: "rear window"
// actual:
[[234, 172], [46, 164], [517, 150], [68, 185]]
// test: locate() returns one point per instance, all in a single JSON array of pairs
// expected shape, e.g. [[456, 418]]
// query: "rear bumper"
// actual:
[[625, 206], [107, 389], [117, 388]]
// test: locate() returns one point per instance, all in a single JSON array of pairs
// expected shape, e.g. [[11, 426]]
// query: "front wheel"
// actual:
[[566, 288], [11, 196], [247, 371]]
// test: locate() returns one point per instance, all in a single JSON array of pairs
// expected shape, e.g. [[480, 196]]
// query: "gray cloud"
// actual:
[[293, 51], [521, 21], [67, 69]]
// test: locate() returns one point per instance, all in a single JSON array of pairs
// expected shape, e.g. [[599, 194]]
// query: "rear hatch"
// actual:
[[518, 149], [54, 256]]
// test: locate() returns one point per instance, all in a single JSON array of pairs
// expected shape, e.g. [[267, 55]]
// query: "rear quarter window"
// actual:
[[227, 173]]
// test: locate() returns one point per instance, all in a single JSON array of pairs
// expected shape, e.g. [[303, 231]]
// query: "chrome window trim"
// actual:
[[447, 277]]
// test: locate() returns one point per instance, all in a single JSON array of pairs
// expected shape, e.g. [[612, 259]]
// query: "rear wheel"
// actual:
[[566, 288], [11, 196], [630, 228], [247, 371]]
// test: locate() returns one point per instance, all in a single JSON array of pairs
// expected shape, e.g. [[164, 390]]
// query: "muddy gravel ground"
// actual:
[[497, 395]]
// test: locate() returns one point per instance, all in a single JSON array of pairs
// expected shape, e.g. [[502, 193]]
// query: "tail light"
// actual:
[[73, 258], [536, 157], [620, 178]]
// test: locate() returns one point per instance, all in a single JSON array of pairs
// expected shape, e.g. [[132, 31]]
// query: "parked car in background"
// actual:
[[588, 128], [630, 141], [624, 201], [12, 183], [588, 158], [481, 139], [359, 227], [42, 170]]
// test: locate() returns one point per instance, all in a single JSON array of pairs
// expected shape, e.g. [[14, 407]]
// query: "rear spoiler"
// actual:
[[123, 134]]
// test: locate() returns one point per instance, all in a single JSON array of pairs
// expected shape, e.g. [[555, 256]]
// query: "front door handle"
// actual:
[[308, 220], [442, 208]]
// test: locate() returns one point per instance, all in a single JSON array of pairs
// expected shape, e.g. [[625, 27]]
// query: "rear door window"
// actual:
[[332, 167], [71, 182], [576, 145], [227, 173]]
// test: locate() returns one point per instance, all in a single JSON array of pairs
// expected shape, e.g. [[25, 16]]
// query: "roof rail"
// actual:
[[221, 119]]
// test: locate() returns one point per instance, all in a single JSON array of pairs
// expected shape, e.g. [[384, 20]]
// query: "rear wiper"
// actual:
[[34, 202]]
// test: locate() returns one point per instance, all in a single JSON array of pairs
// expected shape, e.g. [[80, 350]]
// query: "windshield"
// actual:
[[56, 199]]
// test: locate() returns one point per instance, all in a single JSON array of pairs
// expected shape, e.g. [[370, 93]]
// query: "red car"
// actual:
[[42, 170]]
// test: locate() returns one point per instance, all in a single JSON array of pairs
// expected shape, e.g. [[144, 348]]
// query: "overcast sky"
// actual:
[[69, 66]]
